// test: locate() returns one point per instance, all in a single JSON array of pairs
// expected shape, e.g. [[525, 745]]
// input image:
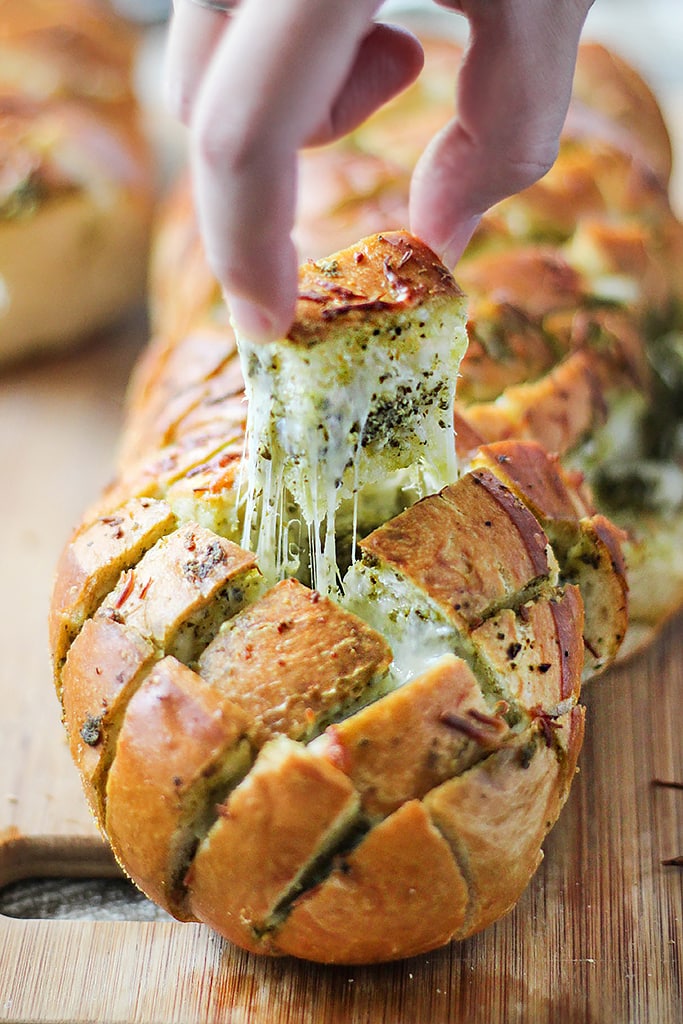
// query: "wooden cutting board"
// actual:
[[596, 939]]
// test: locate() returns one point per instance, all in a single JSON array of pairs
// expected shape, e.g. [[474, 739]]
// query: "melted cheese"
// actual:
[[360, 421], [417, 631]]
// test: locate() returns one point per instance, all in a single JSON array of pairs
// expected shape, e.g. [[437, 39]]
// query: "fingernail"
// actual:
[[251, 322]]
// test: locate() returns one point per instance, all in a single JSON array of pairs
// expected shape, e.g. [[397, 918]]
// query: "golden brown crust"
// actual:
[[558, 410], [104, 666], [534, 650], [293, 658], [169, 602], [312, 850], [420, 814], [170, 758], [383, 275], [607, 84], [374, 905], [426, 731], [538, 479], [93, 560], [495, 818], [303, 801], [88, 51], [471, 548], [209, 369], [193, 696], [588, 546]]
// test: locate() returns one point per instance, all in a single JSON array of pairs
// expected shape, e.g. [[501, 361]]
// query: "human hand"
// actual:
[[257, 84], [513, 91]]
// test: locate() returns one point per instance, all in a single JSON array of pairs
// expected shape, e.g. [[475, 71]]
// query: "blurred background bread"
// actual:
[[76, 174]]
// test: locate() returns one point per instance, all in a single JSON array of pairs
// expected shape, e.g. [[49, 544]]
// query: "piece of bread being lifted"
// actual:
[[351, 416]]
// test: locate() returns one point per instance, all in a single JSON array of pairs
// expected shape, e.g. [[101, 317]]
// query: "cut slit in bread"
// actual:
[[172, 602]]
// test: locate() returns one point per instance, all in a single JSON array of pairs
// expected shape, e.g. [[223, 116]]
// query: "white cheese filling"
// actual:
[[362, 418]]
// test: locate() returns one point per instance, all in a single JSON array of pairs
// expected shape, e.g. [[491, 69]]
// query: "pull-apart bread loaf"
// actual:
[[76, 177], [574, 306], [575, 297], [323, 690]]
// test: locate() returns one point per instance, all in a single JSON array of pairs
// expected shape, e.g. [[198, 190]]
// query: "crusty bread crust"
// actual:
[[385, 274]]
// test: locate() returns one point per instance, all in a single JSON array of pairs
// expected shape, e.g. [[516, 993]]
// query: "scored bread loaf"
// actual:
[[574, 304], [351, 761], [367, 770], [574, 298], [76, 174]]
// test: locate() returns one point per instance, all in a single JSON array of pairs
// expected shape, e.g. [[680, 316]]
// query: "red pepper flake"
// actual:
[[546, 723], [342, 292], [477, 725], [589, 647], [372, 306], [336, 751], [358, 256], [127, 590], [228, 457], [402, 286], [407, 255], [145, 588], [396, 242]]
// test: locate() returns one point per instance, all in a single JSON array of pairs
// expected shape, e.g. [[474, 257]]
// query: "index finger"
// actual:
[[272, 81], [513, 92]]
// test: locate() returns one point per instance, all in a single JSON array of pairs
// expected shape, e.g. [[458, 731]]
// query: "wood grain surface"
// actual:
[[596, 939]]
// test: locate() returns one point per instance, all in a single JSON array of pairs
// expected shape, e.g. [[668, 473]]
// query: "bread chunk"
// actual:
[[362, 387], [296, 660]]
